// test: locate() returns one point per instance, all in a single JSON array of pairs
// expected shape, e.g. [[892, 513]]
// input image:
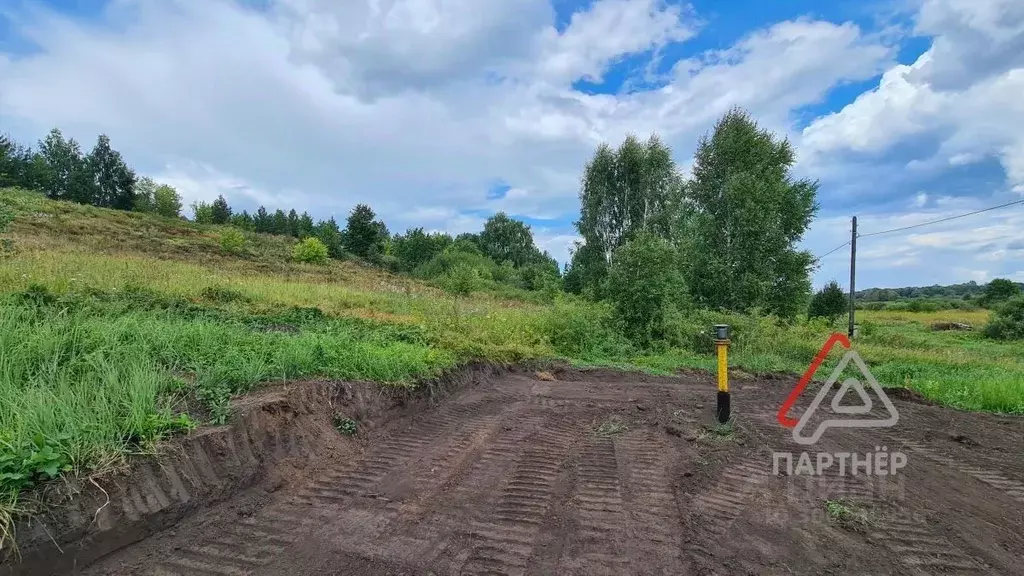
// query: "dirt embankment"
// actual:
[[568, 472]]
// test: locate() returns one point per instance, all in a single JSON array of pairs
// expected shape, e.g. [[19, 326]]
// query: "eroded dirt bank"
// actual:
[[595, 473]]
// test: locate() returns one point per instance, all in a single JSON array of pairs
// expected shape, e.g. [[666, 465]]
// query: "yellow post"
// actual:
[[723, 365], [722, 409]]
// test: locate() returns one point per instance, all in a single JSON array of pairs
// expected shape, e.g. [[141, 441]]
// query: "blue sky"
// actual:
[[439, 114]]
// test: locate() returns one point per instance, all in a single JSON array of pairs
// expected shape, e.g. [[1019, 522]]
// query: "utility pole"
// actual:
[[853, 273]]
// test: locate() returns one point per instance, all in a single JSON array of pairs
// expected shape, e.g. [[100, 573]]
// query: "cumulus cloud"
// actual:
[[418, 106], [959, 100]]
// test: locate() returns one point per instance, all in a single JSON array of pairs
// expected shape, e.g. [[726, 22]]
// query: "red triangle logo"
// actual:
[[783, 415]]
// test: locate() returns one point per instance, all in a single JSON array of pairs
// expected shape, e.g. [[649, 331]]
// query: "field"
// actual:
[[119, 329]]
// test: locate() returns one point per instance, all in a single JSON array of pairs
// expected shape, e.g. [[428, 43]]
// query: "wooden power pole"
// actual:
[[853, 273]]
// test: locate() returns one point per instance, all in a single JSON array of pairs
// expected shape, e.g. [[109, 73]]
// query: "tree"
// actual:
[[166, 201], [113, 180], [293, 223], [829, 302], [145, 195], [243, 221], [1007, 322], [506, 239], [416, 247], [306, 227], [363, 235], [66, 176], [997, 291], [280, 223], [262, 221], [644, 286], [220, 212], [742, 219], [202, 212], [624, 191], [327, 231]]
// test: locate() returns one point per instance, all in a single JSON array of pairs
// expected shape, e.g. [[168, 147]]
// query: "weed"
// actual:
[[720, 432], [222, 295], [610, 428], [345, 426], [847, 515]]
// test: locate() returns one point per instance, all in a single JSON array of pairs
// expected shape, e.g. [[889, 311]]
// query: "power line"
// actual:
[[843, 245], [941, 220]]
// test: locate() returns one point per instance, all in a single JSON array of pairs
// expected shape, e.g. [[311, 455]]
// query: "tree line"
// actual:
[[725, 238], [503, 253]]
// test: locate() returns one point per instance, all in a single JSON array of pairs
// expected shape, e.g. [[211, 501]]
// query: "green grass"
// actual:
[[118, 329], [847, 515]]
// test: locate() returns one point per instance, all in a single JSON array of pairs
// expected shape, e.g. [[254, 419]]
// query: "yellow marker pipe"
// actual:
[[723, 365], [722, 410]]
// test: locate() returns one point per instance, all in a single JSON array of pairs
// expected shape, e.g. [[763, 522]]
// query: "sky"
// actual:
[[439, 113]]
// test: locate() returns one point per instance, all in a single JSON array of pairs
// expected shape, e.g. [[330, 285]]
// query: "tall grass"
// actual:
[[103, 344]]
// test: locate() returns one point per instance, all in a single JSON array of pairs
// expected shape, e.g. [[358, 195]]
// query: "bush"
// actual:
[[232, 240], [997, 291], [1008, 321], [829, 302], [644, 284], [582, 329], [462, 280], [310, 251]]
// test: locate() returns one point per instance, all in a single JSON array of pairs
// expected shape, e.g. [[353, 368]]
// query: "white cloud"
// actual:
[[417, 106], [963, 93]]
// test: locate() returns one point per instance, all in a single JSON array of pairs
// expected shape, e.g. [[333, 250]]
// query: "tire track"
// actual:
[[654, 522], [599, 514], [260, 539], [726, 501], [1007, 486], [505, 541], [917, 547]]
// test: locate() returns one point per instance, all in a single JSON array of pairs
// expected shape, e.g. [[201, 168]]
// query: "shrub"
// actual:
[[643, 285], [1008, 321], [232, 240], [462, 280], [576, 327], [310, 251], [997, 291], [829, 302]]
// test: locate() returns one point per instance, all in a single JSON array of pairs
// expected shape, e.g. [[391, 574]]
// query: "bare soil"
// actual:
[[601, 472]]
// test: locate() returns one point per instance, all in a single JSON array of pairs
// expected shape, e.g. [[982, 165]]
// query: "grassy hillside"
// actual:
[[119, 328]]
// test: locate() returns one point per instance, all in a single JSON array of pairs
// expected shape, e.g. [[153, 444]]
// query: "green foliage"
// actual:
[[24, 462], [113, 181], [830, 302], [415, 248], [232, 241], [363, 235], [632, 188], [1008, 320], [327, 232], [243, 221], [202, 212], [220, 212], [311, 251], [580, 329], [504, 239], [644, 286], [345, 426], [745, 215], [166, 201], [461, 280], [998, 291], [145, 195]]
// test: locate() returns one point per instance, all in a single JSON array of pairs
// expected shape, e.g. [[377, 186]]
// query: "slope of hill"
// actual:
[[118, 329]]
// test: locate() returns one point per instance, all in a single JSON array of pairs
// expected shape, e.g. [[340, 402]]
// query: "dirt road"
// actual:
[[605, 473]]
